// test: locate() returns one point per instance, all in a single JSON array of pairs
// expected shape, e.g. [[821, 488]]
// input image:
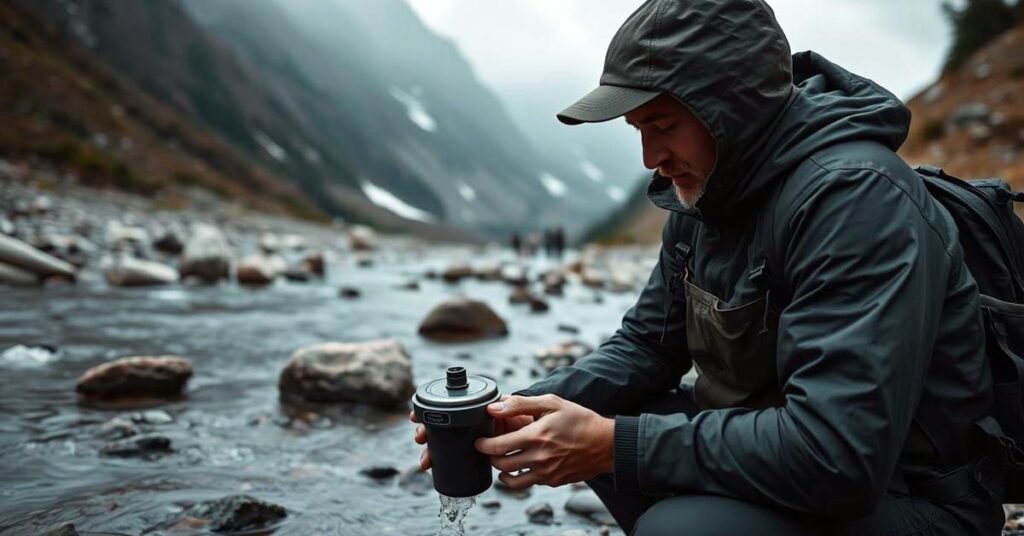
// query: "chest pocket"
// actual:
[[733, 347]]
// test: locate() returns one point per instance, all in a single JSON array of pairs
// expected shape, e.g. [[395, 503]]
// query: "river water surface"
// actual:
[[230, 434]]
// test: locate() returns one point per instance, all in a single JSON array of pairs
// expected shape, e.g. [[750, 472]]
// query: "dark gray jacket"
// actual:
[[876, 303]]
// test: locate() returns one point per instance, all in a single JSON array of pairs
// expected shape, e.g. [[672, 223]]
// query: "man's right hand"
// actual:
[[501, 426]]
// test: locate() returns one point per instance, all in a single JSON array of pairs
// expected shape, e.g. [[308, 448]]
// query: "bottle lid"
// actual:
[[457, 389]]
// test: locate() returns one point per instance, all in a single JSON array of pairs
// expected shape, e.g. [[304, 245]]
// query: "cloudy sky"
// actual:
[[541, 55]]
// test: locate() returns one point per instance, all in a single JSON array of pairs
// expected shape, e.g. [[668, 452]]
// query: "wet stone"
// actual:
[[67, 529], [118, 428], [568, 328], [380, 472], [491, 504], [148, 447], [349, 293], [541, 514], [159, 377], [462, 319], [237, 513], [153, 417], [588, 505], [416, 482], [373, 372]]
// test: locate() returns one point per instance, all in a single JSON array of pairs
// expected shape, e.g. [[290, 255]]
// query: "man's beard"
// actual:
[[689, 198]]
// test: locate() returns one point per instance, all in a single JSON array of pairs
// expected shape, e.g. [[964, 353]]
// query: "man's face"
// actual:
[[676, 144]]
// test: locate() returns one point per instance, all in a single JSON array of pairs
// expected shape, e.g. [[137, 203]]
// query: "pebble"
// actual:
[[379, 472], [349, 293], [118, 428], [237, 513], [541, 514], [148, 447]]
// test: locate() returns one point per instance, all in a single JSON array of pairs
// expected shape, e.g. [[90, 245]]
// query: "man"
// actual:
[[805, 273]]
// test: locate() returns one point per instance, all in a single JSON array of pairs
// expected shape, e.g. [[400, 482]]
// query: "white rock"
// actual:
[[127, 271], [376, 372], [207, 254], [362, 238]]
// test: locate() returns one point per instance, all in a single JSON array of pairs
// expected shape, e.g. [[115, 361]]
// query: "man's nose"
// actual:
[[654, 151]]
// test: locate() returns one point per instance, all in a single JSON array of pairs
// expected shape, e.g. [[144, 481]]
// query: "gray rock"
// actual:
[[587, 504], [968, 114], [416, 482], [160, 377], [206, 255], [125, 271], [118, 428], [238, 513], [374, 372], [259, 269], [313, 262], [456, 273], [118, 235], [169, 242], [155, 416], [19, 254], [491, 504], [14, 276], [362, 238], [462, 319], [541, 514], [149, 447], [67, 529], [349, 293], [521, 294], [379, 472]]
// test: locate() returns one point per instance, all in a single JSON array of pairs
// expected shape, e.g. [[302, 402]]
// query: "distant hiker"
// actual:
[[558, 242], [516, 243], [807, 275]]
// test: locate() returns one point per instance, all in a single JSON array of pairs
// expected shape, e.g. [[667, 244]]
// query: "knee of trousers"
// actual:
[[711, 515]]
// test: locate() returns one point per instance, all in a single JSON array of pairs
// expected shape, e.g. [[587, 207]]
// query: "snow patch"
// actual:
[[554, 186], [617, 194], [385, 199], [592, 171], [466, 191], [271, 147], [414, 109]]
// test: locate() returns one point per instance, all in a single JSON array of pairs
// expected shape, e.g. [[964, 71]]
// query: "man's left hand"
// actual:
[[565, 443]]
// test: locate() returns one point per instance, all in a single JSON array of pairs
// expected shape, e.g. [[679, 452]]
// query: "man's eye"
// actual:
[[665, 127]]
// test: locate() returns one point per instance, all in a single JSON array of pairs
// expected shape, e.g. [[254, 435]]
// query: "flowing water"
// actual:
[[230, 434], [453, 515]]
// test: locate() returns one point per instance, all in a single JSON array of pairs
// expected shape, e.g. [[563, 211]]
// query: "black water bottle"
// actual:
[[454, 411]]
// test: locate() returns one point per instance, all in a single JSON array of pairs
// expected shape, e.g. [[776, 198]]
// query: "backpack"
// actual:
[[992, 238]]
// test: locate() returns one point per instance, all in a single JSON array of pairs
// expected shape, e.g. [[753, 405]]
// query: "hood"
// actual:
[[766, 110]]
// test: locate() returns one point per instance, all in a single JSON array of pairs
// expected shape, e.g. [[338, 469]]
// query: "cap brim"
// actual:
[[605, 103]]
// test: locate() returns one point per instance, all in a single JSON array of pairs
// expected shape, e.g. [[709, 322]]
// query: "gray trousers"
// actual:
[[712, 515]]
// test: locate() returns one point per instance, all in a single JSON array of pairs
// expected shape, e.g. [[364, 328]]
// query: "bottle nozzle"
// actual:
[[456, 378]]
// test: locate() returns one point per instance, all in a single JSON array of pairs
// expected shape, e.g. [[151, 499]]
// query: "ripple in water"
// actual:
[[453, 515]]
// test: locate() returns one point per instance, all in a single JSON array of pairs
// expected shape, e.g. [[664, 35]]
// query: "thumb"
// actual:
[[524, 405]]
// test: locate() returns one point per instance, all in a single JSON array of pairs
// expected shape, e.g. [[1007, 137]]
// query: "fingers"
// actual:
[[412, 416], [513, 462], [524, 405], [425, 460], [505, 443], [421, 435], [524, 479]]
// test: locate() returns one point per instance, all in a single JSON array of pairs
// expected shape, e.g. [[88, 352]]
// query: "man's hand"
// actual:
[[502, 425], [565, 442]]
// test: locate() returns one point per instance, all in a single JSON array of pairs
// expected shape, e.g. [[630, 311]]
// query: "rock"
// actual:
[[206, 255], [16, 253], [161, 377], [259, 269], [6, 226], [456, 273], [541, 514], [592, 278], [362, 238], [122, 270], [269, 243], [968, 114], [118, 428], [364, 260], [293, 242], [153, 417], [587, 504], [379, 472], [462, 319], [313, 262], [561, 355], [374, 372], [568, 328], [488, 272], [67, 529], [491, 504], [298, 275], [16, 277], [169, 242], [538, 305], [349, 293], [149, 447], [521, 295], [237, 513], [416, 482], [982, 70], [40, 205], [409, 285], [1014, 517], [118, 234], [515, 275]]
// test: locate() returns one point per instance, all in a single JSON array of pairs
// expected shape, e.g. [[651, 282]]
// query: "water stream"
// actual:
[[453, 515]]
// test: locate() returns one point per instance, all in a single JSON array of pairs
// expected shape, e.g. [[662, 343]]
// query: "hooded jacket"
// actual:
[[877, 306]]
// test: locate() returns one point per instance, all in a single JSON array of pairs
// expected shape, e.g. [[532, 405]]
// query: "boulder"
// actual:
[[206, 255], [151, 377], [374, 372], [260, 269], [462, 319], [149, 447], [456, 272], [16, 253], [14, 276], [237, 513], [587, 504], [362, 238], [125, 271], [313, 262], [169, 242]]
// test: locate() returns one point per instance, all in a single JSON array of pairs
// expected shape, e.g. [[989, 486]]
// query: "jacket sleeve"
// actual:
[[636, 363], [867, 276]]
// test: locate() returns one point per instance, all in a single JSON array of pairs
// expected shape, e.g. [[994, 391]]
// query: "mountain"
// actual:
[[970, 122], [65, 107], [365, 111]]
